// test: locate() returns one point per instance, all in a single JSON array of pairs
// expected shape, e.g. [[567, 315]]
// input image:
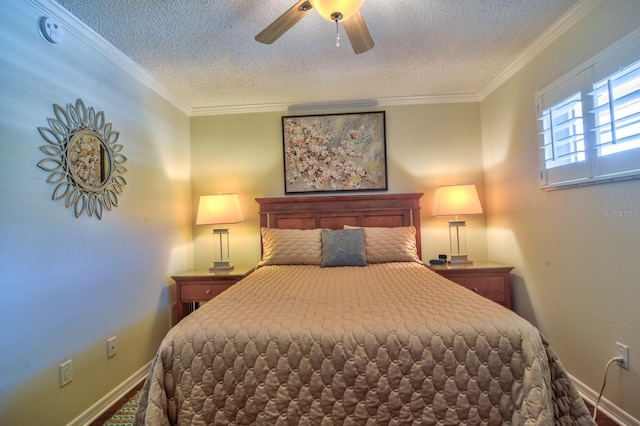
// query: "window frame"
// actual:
[[579, 86]]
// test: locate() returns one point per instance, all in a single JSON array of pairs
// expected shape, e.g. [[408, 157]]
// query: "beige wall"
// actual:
[[577, 267], [427, 146], [70, 283]]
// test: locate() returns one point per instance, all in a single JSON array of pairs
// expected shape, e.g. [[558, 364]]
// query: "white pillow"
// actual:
[[390, 244], [291, 246]]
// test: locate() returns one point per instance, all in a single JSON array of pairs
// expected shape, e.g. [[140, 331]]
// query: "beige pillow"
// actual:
[[291, 246], [390, 244]]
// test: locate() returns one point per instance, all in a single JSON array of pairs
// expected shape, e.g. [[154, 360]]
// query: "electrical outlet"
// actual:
[[66, 373], [623, 351], [111, 347]]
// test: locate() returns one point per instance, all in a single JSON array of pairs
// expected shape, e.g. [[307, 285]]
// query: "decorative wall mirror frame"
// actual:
[[84, 159]]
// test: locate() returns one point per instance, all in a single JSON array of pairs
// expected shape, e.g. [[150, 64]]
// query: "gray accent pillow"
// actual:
[[343, 247]]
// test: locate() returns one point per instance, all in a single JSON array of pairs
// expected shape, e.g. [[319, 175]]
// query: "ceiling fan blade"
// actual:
[[284, 22], [358, 33]]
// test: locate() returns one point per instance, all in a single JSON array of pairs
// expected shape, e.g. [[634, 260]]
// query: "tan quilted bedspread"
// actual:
[[383, 344]]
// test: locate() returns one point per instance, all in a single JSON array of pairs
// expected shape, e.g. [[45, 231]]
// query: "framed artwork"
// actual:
[[334, 152]]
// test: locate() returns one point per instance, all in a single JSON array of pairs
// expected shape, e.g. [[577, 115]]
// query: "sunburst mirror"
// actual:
[[84, 159]]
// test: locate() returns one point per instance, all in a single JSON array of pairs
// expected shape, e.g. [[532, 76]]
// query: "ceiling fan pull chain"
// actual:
[[337, 16]]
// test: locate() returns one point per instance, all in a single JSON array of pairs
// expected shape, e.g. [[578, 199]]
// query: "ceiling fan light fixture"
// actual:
[[346, 12], [329, 8]]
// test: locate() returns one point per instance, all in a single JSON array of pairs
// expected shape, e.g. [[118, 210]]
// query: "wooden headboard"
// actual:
[[333, 212]]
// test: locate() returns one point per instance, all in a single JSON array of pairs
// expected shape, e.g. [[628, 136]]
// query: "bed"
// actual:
[[341, 323]]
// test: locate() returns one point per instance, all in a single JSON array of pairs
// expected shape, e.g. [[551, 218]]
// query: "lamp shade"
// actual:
[[219, 209], [456, 200], [347, 8]]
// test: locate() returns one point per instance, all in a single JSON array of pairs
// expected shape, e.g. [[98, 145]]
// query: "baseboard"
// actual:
[[111, 398], [607, 407]]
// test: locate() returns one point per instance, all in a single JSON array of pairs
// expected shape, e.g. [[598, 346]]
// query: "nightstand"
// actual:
[[194, 287], [488, 279]]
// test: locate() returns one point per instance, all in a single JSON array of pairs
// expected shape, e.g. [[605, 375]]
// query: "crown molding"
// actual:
[[430, 99], [369, 103], [76, 27], [238, 109], [573, 15]]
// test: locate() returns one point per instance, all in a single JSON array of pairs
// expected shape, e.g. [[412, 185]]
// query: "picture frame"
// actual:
[[334, 152]]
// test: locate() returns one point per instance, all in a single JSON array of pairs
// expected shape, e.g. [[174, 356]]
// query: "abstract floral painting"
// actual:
[[334, 152]]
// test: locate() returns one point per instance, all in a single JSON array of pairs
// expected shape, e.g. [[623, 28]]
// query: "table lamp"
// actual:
[[220, 209], [456, 200]]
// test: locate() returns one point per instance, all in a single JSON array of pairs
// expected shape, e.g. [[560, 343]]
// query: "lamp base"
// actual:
[[460, 260], [218, 266]]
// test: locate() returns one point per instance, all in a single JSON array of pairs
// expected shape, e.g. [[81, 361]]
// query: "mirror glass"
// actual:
[[88, 159]]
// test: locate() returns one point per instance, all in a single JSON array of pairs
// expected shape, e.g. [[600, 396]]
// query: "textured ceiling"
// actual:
[[204, 52]]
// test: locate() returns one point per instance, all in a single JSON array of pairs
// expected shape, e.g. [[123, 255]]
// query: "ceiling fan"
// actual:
[[345, 11]]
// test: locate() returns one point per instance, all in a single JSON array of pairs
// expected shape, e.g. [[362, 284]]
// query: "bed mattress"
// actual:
[[391, 343]]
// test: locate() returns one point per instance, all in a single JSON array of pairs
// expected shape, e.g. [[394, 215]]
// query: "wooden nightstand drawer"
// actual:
[[202, 292], [200, 286], [488, 279], [489, 287]]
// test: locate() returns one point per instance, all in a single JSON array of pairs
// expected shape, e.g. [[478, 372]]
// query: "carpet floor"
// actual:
[[122, 412], [125, 414]]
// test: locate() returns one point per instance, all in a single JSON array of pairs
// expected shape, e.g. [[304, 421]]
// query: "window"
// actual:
[[617, 111], [589, 122], [563, 132]]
